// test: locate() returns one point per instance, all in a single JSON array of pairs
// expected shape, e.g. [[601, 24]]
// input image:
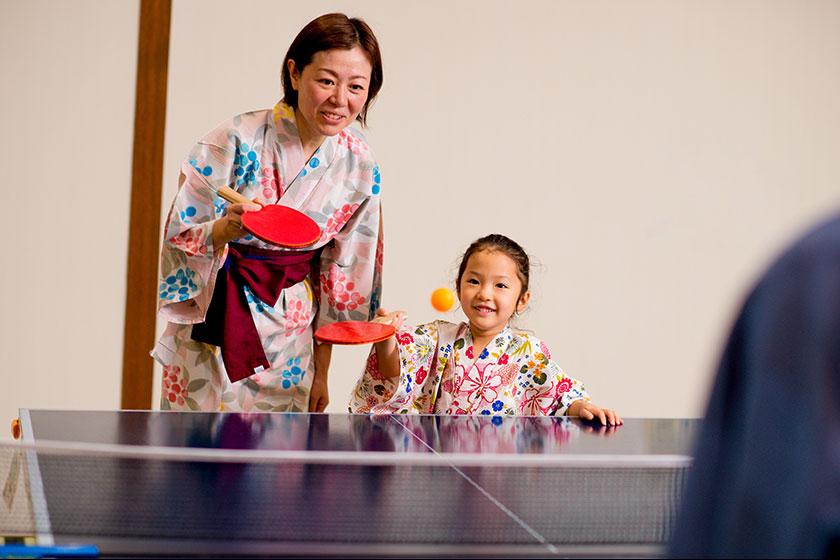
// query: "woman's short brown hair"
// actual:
[[327, 32]]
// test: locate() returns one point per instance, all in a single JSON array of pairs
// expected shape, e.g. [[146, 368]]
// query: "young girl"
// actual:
[[481, 367]]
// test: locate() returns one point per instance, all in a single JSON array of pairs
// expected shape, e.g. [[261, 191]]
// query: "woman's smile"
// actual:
[[333, 118]]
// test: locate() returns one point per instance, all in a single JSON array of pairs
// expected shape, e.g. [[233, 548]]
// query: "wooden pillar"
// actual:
[[146, 188]]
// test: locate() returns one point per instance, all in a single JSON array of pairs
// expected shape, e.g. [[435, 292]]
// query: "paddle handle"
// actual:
[[234, 197]]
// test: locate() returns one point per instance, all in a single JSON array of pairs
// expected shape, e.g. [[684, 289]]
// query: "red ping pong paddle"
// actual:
[[354, 332], [276, 224]]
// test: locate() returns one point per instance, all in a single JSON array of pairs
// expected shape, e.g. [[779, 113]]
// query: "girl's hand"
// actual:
[[588, 411], [229, 227], [395, 318], [387, 353]]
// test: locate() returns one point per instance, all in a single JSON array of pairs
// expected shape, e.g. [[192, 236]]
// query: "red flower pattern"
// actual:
[[174, 386], [272, 184], [372, 367], [536, 402], [339, 291], [481, 385], [379, 251], [352, 143], [296, 318], [335, 222], [421, 376], [190, 242], [564, 386], [405, 338]]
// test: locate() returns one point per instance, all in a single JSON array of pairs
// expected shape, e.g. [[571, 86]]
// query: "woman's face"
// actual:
[[332, 90]]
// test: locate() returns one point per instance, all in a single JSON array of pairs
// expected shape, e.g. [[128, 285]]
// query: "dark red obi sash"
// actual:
[[229, 324]]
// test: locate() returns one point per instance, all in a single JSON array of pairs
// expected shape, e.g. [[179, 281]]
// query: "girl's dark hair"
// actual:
[[506, 245], [333, 31]]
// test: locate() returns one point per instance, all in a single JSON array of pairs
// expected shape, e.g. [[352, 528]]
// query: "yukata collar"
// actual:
[[505, 334], [284, 120], [288, 137], [286, 127]]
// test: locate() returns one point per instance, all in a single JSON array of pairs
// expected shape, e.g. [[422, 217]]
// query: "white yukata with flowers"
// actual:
[[440, 374], [260, 155]]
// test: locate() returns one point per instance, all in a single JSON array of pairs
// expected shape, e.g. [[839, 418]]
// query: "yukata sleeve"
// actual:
[[411, 390], [188, 262], [350, 266], [567, 389], [564, 389]]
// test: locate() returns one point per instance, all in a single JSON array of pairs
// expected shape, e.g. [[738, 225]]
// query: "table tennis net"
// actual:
[[272, 497]]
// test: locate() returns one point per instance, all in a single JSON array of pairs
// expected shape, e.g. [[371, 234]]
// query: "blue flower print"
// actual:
[[485, 413], [314, 162], [245, 165], [497, 406], [497, 420], [206, 170], [187, 213], [219, 205], [178, 286], [255, 302], [293, 374], [376, 181], [484, 354]]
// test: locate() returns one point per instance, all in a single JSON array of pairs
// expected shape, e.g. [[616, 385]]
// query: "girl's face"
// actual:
[[332, 91], [489, 292]]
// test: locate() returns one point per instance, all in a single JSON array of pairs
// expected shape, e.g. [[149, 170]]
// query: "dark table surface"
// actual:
[[139, 482]]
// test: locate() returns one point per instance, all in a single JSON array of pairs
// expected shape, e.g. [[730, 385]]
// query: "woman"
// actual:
[[236, 344]]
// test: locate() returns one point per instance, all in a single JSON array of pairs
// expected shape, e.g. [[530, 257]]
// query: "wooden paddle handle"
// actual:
[[234, 197]]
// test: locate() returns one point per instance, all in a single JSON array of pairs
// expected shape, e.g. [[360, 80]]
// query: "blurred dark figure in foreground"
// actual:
[[766, 475]]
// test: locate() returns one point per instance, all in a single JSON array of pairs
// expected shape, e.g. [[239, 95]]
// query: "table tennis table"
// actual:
[[294, 484]]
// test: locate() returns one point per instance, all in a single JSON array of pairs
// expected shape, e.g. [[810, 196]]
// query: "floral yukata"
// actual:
[[260, 155], [440, 374]]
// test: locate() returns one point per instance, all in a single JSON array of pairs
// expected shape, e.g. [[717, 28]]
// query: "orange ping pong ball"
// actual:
[[443, 299]]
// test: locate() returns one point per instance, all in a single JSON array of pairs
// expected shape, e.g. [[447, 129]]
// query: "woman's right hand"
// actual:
[[229, 227]]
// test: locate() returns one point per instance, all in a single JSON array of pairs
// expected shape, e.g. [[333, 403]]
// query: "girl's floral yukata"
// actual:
[[440, 374], [260, 155]]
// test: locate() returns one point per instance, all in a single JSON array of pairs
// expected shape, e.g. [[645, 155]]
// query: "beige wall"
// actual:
[[67, 75], [652, 156]]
